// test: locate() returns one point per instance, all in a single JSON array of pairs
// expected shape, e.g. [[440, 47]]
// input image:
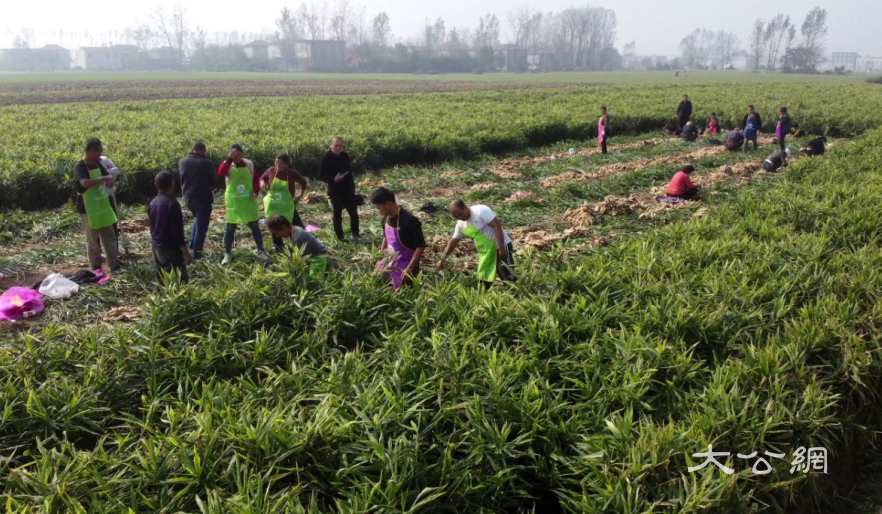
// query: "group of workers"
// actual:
[[403, 240]]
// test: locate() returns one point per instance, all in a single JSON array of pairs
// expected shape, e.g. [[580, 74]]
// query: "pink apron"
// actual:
[[600, 131], [397, 257]]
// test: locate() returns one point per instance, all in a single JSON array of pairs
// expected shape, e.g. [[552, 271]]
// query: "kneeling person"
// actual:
[[403, 240], [495, 252], [306, 244], [774, 161], [170, 249]]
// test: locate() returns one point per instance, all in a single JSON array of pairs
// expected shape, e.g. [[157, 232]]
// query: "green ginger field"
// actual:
[[636, 334]]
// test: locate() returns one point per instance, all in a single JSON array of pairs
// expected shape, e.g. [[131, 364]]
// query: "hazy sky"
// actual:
[[657, 26]]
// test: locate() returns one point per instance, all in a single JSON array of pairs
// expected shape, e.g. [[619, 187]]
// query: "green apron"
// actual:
[[278, 200], [240, 207], [317, 266], [99, 213], [486, 254]]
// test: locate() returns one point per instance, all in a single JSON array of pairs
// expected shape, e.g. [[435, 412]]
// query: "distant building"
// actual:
[[455, 51], [510, 57], [868, 64], [847, 60], [257, 50], [541, 60], [163, 53], [112, 58], [48, 58]]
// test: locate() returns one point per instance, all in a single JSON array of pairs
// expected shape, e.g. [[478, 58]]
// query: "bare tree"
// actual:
[[535, 32], [356, 30], [487, 33], [814, 31], [24, 39], [757, 43], [172, 28], [519, 22], [381, 30], [339, 20], [726, 43], [141, 35], [777, 29]]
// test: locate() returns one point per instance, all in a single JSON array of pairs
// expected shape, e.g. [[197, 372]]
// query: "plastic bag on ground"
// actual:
[[56, 286], [20, 302]]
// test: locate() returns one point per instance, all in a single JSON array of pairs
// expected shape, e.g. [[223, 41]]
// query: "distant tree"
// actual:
[[381, 30], [610, 59], [487, 33], [725, 44], [757, 43], [814, 32], [519, 23], [24, 39], [798, 60], [141, 35], [628, 53], [171, 26]]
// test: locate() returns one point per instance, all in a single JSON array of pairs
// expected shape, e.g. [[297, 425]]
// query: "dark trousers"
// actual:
[[201, 217], [230, 236], [505, 269], [690, 193], [167, 260], [783, 146], [747, 144], [278, 242], [350, 208], [683, 120], [603, 146]]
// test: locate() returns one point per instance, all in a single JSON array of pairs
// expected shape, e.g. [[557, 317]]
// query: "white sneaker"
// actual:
[[228, 258], [263, 256]]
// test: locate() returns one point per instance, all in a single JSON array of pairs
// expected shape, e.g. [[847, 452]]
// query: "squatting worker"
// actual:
[[198, 178], [753, 125], [495, 252], [603, 129], [785, 125], [777, 159], [681, 185], [280, 183], [734, 140], [690, 132], [93, 204], [684, 111], [403, 240], [335, 168], [713, 125], [304, 242], [170, 250], [243, 183]]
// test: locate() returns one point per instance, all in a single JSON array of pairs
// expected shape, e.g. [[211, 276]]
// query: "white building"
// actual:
[[868, 64], [847, 60]]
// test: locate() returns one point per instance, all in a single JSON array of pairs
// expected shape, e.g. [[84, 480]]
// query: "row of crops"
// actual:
[[584, 388], [43, 142]]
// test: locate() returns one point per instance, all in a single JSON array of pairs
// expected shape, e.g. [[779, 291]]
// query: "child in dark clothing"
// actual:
[[170, 250]]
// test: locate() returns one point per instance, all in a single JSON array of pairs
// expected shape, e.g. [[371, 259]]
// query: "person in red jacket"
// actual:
[[681, 185]]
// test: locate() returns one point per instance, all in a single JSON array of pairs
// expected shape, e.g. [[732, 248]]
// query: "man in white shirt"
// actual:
[[495, 253]]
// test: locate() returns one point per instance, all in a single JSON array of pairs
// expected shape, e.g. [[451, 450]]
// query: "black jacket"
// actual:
[[197, 179], [329, 166], [684, 110], [759, 122]]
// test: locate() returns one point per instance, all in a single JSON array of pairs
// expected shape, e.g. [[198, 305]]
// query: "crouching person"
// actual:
[[304, 242], [681, 185], [170, 248]]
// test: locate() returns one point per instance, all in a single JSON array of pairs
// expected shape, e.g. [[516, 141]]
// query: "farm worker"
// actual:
[[734, 140], [113, 171], [403, 240], [280, 183], [796, 131], [495, 253], [170, 250], [671, 128], [335, 168], [304, 242], [690, 132], [198, 178], [603, 132], [713, 125], [777, 159], [785, 125], [93, 204], [753, 125], [243, 183], [816, 146], [684, 111], [681, 185]]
